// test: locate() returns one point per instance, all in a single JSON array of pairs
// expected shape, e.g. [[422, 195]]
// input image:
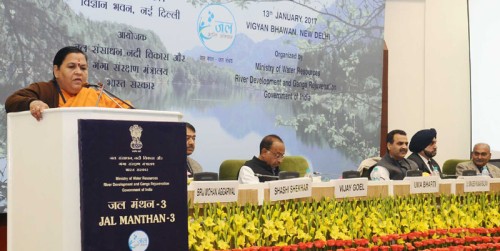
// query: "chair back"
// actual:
[[295, 164], [205, 176], [230, 168], [450, 166], [366, 166]]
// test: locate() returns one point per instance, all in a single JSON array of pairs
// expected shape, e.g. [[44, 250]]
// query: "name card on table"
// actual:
[[345, 188], [290, 189], [215, 191], [423, 184], [476, 184]]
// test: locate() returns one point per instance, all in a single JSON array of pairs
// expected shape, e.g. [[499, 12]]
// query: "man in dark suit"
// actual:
[[393, 165], [423, 146], [192, 165]]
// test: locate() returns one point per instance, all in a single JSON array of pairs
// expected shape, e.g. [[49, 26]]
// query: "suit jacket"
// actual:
[[397, 169], [422, 166], [195, 166], [469, 165]]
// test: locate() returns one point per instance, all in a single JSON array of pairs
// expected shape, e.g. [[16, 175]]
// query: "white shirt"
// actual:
[[426, 161], [380, 173], [247, 176]]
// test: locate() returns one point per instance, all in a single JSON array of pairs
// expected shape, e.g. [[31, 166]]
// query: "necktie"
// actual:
[[429, 162]]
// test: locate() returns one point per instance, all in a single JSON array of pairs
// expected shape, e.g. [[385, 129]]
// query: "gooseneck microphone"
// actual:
[[110, 95], [101, 91], [266, 176]]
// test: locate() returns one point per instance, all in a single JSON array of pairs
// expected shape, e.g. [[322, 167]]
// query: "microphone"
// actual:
[[108, 94], [266, 176], [87, 85]]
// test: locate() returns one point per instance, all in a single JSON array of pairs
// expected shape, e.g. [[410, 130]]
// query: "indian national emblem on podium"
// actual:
[[135, 133]]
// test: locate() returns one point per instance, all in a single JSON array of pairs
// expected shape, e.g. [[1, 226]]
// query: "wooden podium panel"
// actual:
[[43, 167], [376, 191]]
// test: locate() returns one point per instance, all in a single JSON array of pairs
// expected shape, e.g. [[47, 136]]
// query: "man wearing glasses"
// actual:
[[266, 166], [480, 156]]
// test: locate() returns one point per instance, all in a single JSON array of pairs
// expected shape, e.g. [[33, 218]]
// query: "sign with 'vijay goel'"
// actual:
[[215, 191], [290, 189], [476, 184], [423, 184], [345, 188]]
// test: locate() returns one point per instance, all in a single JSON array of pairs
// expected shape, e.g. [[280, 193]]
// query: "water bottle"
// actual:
[[376, 174], [308, 173]]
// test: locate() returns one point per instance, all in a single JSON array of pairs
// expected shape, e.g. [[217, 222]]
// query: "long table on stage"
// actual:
[[260, 193]]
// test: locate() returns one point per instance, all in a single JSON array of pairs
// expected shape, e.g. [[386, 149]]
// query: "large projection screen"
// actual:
[[484, 43], [308, 71]]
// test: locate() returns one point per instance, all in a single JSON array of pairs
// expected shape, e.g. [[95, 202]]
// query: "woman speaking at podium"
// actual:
[[68, 88]]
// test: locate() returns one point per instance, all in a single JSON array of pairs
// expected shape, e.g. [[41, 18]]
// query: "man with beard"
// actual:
[[393, 166], [192, 165], [423, 147], [480, 156]]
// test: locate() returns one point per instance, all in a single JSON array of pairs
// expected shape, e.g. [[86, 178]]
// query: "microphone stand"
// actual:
[[109, 95], [266, 176], [101, 91]]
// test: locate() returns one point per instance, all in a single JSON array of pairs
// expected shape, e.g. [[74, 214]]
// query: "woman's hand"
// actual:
[[36, 109]]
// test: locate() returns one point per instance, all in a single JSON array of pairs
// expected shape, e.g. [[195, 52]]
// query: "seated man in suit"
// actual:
[[423, 147], [192, 165], [393, 166], [266, 166], [480, 156]]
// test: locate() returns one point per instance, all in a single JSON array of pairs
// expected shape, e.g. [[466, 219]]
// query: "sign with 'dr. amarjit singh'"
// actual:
[[345, 188]]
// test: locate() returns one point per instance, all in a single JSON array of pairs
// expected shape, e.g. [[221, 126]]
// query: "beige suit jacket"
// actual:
[[469, 165]]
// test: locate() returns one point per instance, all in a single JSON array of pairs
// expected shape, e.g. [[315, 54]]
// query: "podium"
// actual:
[[44, 176]]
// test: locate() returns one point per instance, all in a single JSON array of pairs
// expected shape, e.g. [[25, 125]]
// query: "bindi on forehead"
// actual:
[[79, 62]]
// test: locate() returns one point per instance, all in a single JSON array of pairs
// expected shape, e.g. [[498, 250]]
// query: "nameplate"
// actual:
[[290, 189], [345, 188], [215, 191], [476, 184], [423, 184]]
